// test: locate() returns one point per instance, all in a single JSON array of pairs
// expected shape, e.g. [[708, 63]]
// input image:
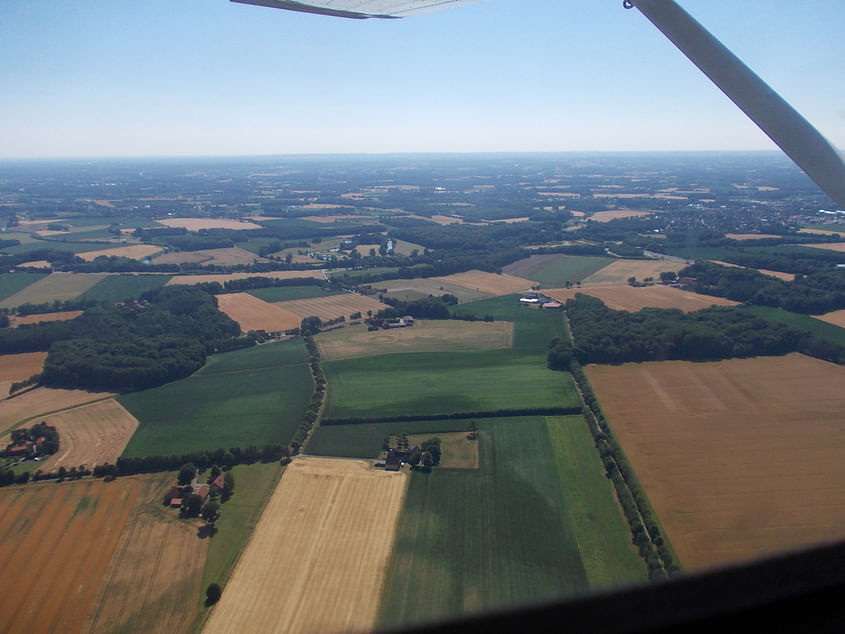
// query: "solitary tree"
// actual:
[[212, 594], [228, 484]]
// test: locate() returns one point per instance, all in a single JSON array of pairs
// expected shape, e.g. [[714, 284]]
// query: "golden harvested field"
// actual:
[[135, 251], [256, 314], [56, 541], [821, 232], [830, 246], [36, 264], [740, 458], [318, 557], [41, 401], [615, 214], [510, 221], [420, 287], [837, 318], [424, 336], [364, 220], [634, 299], [55, 286], [331, 307], [750, 236], [154, 579], [787, 277], [443, 220], [224, 257], [225, 277], [195, 224], [17, 367], [619, 271], [91, 434], [637, 195], [64, 315], [490, 283]]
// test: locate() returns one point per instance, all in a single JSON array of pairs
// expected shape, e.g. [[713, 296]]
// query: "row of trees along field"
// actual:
[[164, 336], [603, 335], [821, 291]]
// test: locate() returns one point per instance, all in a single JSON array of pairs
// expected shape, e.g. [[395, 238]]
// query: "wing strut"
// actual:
[[781, 122]]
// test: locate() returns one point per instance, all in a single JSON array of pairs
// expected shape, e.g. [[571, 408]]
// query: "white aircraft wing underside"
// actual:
[[361, 9]]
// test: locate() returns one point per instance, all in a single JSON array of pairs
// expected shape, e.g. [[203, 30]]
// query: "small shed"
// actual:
[[392, 462]]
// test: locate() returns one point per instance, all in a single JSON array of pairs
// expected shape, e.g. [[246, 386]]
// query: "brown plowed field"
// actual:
[[56, 541], [636, 298], [317, 559], [90, 435], [490, 283], [225, 277], [17, 367], [424, 336], [740, 458], [135, 252], [154, 579], [256, 314], [42, 400], [619, 271], [224, 257], [332, 307], [195, 224], [54, 286]]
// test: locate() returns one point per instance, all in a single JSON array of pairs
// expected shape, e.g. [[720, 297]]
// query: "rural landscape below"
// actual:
[[349, 393]]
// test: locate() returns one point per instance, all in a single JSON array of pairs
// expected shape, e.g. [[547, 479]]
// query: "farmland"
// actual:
[[63, 533], [245, 398], [331, 307], [330, 527], [135, 251], [153, 580], [90, 434], [830, 326], [17, 367], [443, 382], [220, 257], [425, 336], [554, 269], [417, 288], [196, 224], [252, 313], [636, 298], [786, 277], [607, 216], [11, 283], [37, 318], [118, 288], [54, 286], [479, 539], [837, 318], [489, 283], [533, 328], [222, 278], [41, 401], [735, 465], [619, 271], [285, 293]]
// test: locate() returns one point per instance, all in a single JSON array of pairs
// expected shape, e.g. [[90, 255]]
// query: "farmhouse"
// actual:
[[392, 462]]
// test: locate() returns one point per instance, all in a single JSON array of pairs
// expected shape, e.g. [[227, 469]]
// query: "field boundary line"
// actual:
[[59, 411]]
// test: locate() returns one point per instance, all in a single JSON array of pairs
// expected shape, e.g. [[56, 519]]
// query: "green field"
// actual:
[[533, 328], [444, 382], [11, 283], [285, 293], [601, 531], [814, 326], [494, 537], [365, 440], [58, 245], [556, 270], [253, 485], [268, 355], [118, 288], [227, 405]]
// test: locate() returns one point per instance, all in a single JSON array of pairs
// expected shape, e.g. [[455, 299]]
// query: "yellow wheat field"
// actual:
[[317, 559]]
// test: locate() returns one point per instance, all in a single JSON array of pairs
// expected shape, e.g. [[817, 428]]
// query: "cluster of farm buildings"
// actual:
[[541, 301]]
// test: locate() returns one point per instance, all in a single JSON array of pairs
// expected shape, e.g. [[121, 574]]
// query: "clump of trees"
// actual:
[[47, 434]]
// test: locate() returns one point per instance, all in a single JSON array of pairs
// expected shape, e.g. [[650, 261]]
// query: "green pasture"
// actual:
[[498, 536], [365, 440], [238, 407], [602, 534], [554, 272], [58, 245], [118, 288], [285, 293], [533, 328], [444, 382], [268, 355], [11, 283], [817, 327]]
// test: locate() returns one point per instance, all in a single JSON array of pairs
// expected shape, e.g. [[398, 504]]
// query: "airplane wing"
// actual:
[[361, 9]]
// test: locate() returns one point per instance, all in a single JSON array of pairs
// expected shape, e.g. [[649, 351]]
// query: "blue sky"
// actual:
[[209, 77]]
